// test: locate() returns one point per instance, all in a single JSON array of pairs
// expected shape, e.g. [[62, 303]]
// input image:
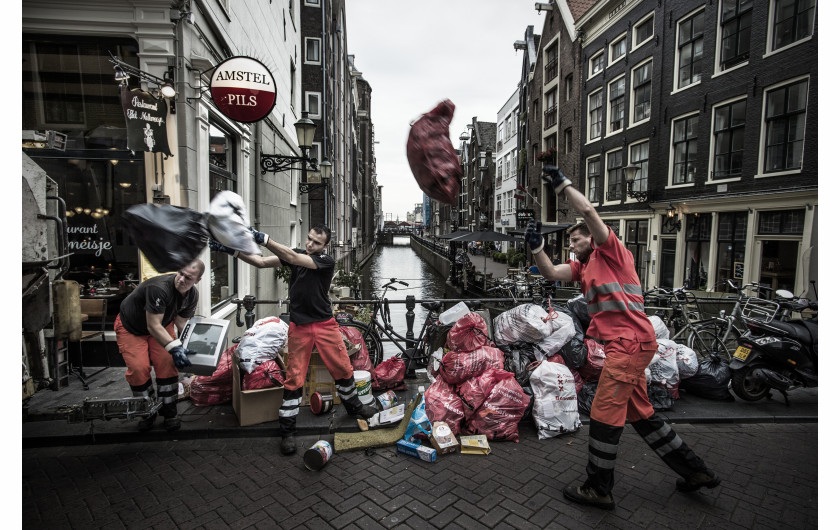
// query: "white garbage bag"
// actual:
[[687, 362], [228, 223], [659, 328], [555, 400], [663, 366], [526, 322], [262, 342], [562, 331]]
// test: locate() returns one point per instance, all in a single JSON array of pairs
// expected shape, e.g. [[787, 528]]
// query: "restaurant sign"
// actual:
[[145, 121], [243, 89]]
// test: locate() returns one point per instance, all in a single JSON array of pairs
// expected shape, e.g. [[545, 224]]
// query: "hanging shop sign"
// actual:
[[243, 89], [145, 121]]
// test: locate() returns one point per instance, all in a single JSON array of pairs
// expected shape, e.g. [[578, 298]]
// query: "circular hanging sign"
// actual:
[[243, 89]]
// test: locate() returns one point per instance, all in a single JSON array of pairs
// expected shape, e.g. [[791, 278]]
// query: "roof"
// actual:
[[579, 7]]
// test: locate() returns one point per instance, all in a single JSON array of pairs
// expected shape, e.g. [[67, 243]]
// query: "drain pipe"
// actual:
[[324, 110], [256, 189]]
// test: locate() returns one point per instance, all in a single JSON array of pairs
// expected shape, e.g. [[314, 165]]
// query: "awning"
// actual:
[[546, 229]]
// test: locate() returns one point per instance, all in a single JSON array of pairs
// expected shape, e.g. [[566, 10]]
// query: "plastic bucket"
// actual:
[[363, 388], [318, 455], [320, 403]]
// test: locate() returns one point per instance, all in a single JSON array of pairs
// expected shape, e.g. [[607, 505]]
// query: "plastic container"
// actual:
[[320, 403], [451, 315], [387, 400], [363, 387]]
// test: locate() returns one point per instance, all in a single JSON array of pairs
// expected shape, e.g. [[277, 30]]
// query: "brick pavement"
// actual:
[[769, 473]]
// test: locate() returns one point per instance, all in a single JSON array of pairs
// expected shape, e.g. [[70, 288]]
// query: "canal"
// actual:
[[401, 262]]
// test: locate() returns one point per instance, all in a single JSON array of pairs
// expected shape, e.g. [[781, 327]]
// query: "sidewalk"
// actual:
[[45, 424]]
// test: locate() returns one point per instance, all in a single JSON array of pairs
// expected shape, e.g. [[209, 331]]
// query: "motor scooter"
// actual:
[[776, 352]]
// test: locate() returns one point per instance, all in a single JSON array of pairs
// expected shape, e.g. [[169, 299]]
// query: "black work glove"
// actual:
[[533, 236], [179, 353], [218, 247], [260, 237], [556, 178]]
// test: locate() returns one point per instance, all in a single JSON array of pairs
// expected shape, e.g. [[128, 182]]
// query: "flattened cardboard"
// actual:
[[475, 444]]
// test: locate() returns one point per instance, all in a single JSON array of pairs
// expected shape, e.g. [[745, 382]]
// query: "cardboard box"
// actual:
[[254, 406], [442, 438], [475, 444], [318, 379], [417, 451]]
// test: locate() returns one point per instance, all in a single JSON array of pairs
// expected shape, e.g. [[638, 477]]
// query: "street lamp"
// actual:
[[672, 223], [305, 130], [629, 179]]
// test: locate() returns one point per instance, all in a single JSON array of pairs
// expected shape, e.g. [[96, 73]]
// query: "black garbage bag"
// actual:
[[711, 380], [169, 236], [659, 396], [577, 305], [518, 356], [574, 352], [586, 396]]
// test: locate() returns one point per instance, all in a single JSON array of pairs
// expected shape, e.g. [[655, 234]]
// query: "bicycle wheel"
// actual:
[[705, 343], [371, 338]]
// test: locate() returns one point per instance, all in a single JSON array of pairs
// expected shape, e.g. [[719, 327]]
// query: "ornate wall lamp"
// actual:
[[629, 179], [672, 222], [305, 129]]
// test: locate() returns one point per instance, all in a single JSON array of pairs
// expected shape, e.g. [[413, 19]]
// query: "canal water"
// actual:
[[401, 262]]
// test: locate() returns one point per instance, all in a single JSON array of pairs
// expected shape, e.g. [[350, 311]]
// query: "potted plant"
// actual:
[[549, 156]]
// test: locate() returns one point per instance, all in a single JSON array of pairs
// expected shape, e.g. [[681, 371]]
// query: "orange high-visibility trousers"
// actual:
[[328, 340], [141, 352], [622, 390]]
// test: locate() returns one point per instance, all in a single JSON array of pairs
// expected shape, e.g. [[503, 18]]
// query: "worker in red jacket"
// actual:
[[607, 274]]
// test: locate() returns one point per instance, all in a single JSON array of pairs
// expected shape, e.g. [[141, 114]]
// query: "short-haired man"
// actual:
[[611, 287], [146, 337], [312, 325]]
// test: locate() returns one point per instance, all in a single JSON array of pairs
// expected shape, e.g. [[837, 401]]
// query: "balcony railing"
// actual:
[[550, 70], [551, 117]]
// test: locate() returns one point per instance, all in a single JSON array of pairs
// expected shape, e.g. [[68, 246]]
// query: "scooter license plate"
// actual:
[[741, 353]]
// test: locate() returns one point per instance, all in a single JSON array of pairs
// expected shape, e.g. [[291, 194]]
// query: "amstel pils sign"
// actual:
[[243, 89]]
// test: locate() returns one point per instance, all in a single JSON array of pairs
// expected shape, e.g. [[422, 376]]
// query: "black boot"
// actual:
[[358, 410], [701, 479], [147, 423], [288, 444]]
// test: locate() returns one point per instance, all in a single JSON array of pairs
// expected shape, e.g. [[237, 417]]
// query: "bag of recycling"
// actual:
[[555, 400], [659, 327], [498, 417], [227, 221], [687, 363], [216, 389], [525, 322], [562, 331], [169, 236], [262, 342], [388, 374], [659, 396], [356, 348], [574, 352], [711, 380], [557, 358], [267, 375], [419, 427], [663, 367], [518, 356], [595, 359], [469, 333], [457, 367], [431, 156], [444, 404]]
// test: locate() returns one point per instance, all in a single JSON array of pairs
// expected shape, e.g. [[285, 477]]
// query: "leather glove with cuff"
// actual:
[[533, 237], [557, 179], [179, 353], [215, 246], [260, 237]]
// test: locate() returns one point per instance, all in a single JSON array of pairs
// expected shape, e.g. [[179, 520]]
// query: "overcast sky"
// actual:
[[417, 53]]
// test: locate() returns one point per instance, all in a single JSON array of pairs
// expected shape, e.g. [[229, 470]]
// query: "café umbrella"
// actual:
[[482, 236]]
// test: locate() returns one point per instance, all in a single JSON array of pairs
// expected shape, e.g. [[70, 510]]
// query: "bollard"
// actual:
[[409, 319]]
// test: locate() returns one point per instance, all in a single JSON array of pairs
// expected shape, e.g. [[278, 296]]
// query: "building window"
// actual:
[[596, 63], [222, 177], [313, 51], [508, 172], [781, 222], [730, 123], [616, 117], [615, 161], [642, 92], [784, 127], [635, 240], [690, 50], [550, 63], [684, 150], [313, 104], [596, 114], [313, 3], [793, 20], [593, 179], [618, 48], [569, 86], [735, 29], [508, 128], [551, 108], [643, 32], [697, 238], [293, 83], [567, 140], [732, 247], [639, 154]]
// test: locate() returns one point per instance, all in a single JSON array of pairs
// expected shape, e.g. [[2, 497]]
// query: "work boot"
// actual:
[[363, 412], [146, 423], [701, 479], [587, 495], [171, 424], [288, 444]]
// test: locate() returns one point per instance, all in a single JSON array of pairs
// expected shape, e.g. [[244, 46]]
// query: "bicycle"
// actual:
[[687, 322]]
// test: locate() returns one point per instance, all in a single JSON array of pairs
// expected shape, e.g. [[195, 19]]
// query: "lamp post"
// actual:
[[305, 130], [630, 173]]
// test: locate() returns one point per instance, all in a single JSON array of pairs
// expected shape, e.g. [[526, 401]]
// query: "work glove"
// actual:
[[533, 236], [556, 178], [215, 246], [179, 353], [260, 237]]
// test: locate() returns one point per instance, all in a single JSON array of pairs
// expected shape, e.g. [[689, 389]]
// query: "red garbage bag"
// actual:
[[267, 374], [595, 358], [356, 348], [431, 156], [499, 415], [558, 358], [474, 391], [469, 333], [388, 374], [443, 404], [457, 367], [206, 390]]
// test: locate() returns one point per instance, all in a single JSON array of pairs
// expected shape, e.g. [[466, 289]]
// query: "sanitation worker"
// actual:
[[611, 287], [146, 337], [312, 325]]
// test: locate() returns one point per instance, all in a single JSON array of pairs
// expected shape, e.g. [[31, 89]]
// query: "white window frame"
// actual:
[[719, 70], [608, 112], [306, 59], [312, 3], [675, 119], [676, 87], [763, 136], [613, 60], [644, 172], [605, 170], [589, 137], [631, 107], [710, 172], [599, 54], [771, 22], [317, 112], [643, 20], [600, 198]]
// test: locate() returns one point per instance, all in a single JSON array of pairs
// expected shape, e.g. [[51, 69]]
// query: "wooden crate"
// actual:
[[318, 379]]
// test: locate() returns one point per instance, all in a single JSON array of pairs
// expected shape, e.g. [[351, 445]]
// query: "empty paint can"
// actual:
[[317, 456], [320, 403], [387, 400]]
